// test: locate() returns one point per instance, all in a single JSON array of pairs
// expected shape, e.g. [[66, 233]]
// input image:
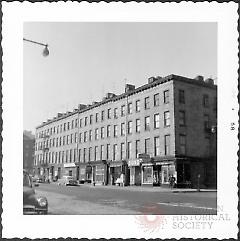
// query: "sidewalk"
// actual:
[[148, 189]]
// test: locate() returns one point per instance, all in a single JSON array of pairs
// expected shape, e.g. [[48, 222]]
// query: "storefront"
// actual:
[[99, 172], [70, 169], [116, 168], [135, 172], [147, 173]]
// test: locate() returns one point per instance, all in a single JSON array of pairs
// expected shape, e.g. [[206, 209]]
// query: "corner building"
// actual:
[[166, 127]]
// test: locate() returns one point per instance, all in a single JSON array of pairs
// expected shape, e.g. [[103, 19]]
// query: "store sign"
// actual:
[[132, 163], [147, 164], [164, 163], [69, 165], [143, 156]]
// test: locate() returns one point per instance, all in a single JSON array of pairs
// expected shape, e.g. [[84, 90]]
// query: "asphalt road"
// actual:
[[121, 200]]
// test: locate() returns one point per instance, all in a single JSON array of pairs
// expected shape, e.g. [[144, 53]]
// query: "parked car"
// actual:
[[32, 203], [67, 180]]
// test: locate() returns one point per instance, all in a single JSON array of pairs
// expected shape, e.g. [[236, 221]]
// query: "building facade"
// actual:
[[28, 151], [143, 136]]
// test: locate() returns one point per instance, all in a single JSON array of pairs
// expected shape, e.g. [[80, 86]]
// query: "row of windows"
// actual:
[[102, 152], [108, 115], [100, 133]]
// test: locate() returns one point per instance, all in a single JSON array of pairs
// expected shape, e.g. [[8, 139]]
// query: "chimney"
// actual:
[[151, 79], [199, 78], [209, 81], [129, 87], [110, 95], [94, 102], [59, 114], [81, 106]]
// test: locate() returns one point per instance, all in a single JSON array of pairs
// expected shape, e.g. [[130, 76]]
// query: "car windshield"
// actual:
[[26, 180]]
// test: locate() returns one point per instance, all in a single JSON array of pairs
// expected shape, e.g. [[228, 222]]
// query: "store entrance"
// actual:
[[157, 177]]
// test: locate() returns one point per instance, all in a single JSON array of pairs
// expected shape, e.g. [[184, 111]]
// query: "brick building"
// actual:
[[28, 150], [165, 127]]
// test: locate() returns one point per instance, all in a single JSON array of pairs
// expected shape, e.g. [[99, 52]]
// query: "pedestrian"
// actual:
[[172, 180]]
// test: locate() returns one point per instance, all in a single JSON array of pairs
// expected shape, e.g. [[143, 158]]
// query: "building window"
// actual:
[[90, 154], [63, 140], [166, 96], [108, 131], [122, 151], [167, 144], [156, 99], [130, 108], [109, 113], [129, 150], [114, 152], [108, 151], [102, 132], [72, 125], [130, 127], [76, 125], [64, 127], [206, 122], [122, 110], [61, 128], [79, 155], [182, 120], [90, 119], [102, 152], [137, 148], [137, 105], [85, 136], [205, 101], [56, 142], [75, 138], [84, 154], [102, 115], [115, 113], [66, 159], [122, 129], [68, 126], [80, 123], [90, 135], [67, 139], [97, 117], [147, 103], [147, 146], [156, 146], [166, 118], [70, 155], [96, 153], [182, 142], [147, 123], [137, 125], [115, 130], [156, 121], [181, 96], [96, 134]]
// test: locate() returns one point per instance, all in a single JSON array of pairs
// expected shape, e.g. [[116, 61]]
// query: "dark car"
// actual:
[[32, 203]]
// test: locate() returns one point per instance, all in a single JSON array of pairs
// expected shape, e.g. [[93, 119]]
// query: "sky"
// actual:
[[89, 59]]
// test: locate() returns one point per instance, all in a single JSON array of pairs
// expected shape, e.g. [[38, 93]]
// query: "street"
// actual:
[[100, 200]]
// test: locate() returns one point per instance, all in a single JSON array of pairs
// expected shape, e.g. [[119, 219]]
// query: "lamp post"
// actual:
[[45, 52]]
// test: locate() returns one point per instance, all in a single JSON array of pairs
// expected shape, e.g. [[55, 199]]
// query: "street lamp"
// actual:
[[45, 52]]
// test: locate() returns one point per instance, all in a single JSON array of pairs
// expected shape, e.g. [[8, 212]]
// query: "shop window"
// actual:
[[70, 173], [147, 174]]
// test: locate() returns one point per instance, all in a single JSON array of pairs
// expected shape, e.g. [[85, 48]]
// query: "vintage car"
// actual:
[[32, 203], [67, 181]]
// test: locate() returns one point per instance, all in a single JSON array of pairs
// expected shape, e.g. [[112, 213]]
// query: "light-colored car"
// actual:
[[67, 181]]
